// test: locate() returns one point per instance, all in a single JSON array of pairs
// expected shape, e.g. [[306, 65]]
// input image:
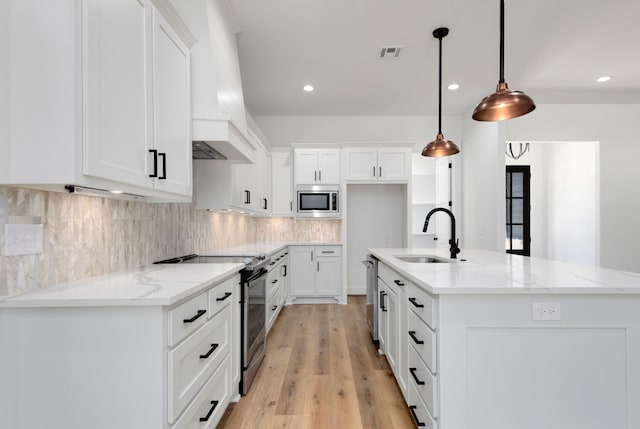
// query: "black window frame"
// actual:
[[526, 209]]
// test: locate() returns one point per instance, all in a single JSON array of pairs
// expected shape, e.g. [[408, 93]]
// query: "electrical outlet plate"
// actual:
[[546, 310], [23, 239]]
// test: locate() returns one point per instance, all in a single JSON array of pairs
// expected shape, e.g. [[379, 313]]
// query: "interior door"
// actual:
[[444, 199]]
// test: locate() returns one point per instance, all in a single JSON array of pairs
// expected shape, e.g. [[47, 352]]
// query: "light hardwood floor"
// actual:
[[321, 370]]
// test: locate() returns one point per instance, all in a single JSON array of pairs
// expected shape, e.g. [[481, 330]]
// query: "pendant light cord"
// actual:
[[440, 90], [501, 41]]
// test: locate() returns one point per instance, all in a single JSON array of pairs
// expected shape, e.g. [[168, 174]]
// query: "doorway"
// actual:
[[518, 196]]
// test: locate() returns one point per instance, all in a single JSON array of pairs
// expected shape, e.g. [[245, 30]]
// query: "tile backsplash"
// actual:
[[90, 236]]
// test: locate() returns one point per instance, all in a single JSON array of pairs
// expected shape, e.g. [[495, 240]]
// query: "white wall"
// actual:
[[564, 200], [617, 128], [375, 217], [4, 83]]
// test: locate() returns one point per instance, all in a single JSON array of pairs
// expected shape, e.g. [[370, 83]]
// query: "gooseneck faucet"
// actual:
[[453, 243]]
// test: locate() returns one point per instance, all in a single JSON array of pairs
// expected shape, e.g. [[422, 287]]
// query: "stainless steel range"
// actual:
[[252, 308]]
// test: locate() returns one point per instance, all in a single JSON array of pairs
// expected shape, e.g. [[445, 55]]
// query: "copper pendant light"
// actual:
[[440, 146], [504, 103]]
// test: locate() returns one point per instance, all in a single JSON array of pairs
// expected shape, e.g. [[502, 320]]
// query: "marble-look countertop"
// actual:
[[254, 249], [486, 272], [153, 285]]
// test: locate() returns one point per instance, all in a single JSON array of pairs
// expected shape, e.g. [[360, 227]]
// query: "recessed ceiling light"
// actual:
[[115, 191], [453, 87], [603, 79], [308, 88]]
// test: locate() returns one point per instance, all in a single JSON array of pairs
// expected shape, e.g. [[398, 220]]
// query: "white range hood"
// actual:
[[222, 134]]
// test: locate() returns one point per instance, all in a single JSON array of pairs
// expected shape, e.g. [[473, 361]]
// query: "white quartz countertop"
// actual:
[[158, 285], [485, 272], [254, 249]]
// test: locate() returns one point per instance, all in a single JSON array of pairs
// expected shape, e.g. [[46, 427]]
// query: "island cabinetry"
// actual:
[[377, 164], [276, 288], [316, 166], [396, 302], [134, 366], [316, 272]]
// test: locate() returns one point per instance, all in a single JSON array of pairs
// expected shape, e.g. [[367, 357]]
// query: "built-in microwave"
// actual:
[[317, 201]]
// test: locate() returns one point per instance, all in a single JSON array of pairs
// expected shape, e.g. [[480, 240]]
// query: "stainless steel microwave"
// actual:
[[317, 201]]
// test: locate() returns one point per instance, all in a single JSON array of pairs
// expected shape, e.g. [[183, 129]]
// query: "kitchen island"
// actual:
[[492, 340]]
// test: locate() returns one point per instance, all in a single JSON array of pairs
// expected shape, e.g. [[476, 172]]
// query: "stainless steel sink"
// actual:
[[421, 259]]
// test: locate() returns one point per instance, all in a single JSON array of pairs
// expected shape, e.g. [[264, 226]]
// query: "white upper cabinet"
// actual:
[[282, 183], [112, 109], [317, 166], [377, 164]]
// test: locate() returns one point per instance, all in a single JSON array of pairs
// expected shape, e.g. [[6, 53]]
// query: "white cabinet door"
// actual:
[[282, 184], [391, 350], [394, 164], [303, 271], [382, 314], [118, 90], [172, 108], [306, 166], [328, 274], [329, 166], [361, 164]]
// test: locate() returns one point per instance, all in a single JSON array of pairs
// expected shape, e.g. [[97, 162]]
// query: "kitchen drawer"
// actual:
[[186, 318], [425, 383], [222, 295], [423, 339], [391, 278], [193, 361], [419, 410], [321, 251], [273, 283], [207, 408], [423, 304], [273, 308]]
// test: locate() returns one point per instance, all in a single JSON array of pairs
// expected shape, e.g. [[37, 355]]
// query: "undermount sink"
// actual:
[[422, 259]]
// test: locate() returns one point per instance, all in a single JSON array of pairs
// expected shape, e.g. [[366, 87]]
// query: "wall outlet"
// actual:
[[23, 239], [546, 310]]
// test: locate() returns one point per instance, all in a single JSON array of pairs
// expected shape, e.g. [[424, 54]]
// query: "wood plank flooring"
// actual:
[[321, 370]]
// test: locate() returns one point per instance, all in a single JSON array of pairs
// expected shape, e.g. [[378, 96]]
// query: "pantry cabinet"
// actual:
[[282, 183], [316, 272], [112, 110], [317, 166], [369, 164]]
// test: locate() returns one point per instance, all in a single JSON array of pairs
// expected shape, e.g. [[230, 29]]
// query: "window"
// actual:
[[518, 239]]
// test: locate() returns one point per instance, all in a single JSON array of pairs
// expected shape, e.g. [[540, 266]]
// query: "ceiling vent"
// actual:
[[390, 51]]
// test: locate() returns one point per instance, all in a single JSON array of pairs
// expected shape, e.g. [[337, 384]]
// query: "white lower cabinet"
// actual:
[[125, 367], [276, 287], [316, 272]]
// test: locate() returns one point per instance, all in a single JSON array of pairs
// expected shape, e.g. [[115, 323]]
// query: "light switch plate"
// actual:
[[23, 239]]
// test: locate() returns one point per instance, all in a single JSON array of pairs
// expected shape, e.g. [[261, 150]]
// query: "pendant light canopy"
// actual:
[[440, 146], [504, 103]]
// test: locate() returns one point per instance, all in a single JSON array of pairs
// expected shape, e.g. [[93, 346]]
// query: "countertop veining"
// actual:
[[485, 272]]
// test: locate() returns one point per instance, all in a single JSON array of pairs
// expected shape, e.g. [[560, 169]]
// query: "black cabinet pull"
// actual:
[[285, 271], [374, 171], [274, 281], [413, 301], [398, 282], [315, 176], [264, 207], [320, 176], [205, 418], [155, 163], [412, 334], [274, 308], [247, 196], [412, 408], [226, 295], [415, 377], [382, 306], [328, 251], [164, 166], [194, 318], [211, 350], [380, 168]]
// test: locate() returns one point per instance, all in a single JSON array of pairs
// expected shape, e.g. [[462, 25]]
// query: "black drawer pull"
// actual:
[[226, 295], [328, 251], [164, 166], [415, 377], [194, 318], [285, 271], [215, 404], [412, 408], [412, 334], [155, 162], [382, 306], [398, 282], [413, 301], [274, 281], [211, 350], [274, 308]]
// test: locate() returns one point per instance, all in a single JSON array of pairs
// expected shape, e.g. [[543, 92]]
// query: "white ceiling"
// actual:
[[555, 49]]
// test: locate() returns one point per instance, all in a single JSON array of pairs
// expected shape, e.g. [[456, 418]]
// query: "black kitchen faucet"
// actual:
[[453, 242]]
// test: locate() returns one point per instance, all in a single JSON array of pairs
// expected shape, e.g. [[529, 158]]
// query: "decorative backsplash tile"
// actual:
[[90, 236]]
